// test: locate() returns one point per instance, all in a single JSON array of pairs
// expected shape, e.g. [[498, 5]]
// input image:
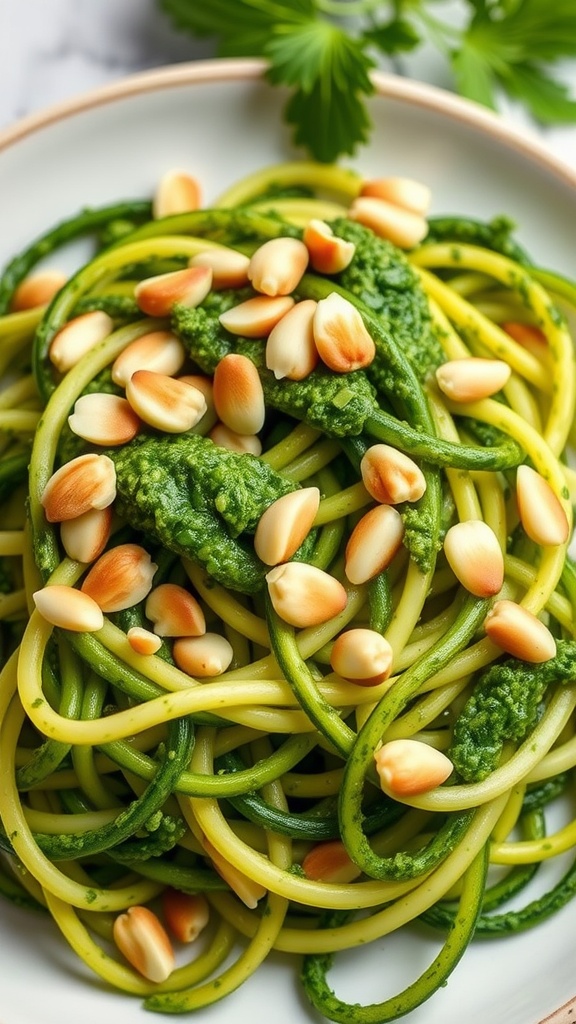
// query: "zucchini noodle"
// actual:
[[133, 777]]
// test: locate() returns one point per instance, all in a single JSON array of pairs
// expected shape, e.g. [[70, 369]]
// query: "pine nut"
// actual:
[[121, 578], [37, 290], [304, 595], [408, 767], [229, 267], [160, 351], [405, 192], [203, 656], [238, 394], [284, 525], [156, 296], [530, 337], [362, 656], [174, 611], [256, 317], [142, 940], [222, 436], [78, 337], [541, 513], [278, 265], [470, 379], [390, 476], [400, 226], [330, 862], [142, 641], [89, 481], [186, 914], [85, 537], [177, 192], [520, 633], [329, 254], [69, 608], [165, 403], [340, 336], [104, 419], [373, 543], [290, 349], [475, 557], [246, 889]]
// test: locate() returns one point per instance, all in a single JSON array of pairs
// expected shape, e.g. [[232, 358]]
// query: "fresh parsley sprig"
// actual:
[[323, 50]]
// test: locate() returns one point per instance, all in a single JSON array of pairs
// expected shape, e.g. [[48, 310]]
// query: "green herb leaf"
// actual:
[[547, 99], [396, 36]]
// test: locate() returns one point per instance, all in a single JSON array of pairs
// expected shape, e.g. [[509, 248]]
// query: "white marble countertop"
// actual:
[[51, 50]]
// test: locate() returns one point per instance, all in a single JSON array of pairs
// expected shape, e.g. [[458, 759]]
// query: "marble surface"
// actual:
[[51, 50]]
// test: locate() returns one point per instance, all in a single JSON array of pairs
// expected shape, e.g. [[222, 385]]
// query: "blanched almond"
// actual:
[[390, 476], [304, 595], [340, 336], [290, 349], [405, 192], [89, 481], [475, 557], [203, 656], [174, 611], [186, 914], [121, 578], [329, 254], [229, 267], [373, 543], [245, 887], [408, 767], [37, 290], [284, 525], [363, 656], [177, 192], [157, 295], [278, 265], [142, 940], [518, 632], [104, 419], [470, 379], [160, 351], [238, 394], [330, 862], [78, 337], [165, 403], [256, 317], [541, 513], [400, 226], [224, 437], [85, 537], [68, 608], [142, 641]]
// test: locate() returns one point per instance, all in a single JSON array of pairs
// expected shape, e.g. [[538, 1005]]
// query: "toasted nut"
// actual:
[[37, 290], [245, 888], [330, 862], [373, 543], [229, 267], [69, 608], [518, 632], [400, 226], [222, 436], [203, 656], [165, 403], [78, 337], [157, 295], [277, 266], [531, 338], [540, 510], [160, 351], [475, 557], [256, 317], [409, 767], [290, 349], [340, 336], [186, 914], [304, 595], [329, 254], [177, 192], [143, 641], [470, 379], [144, 943], [391, 476], [411, 195], [104, 419], [363, 656], [86, 482], [121, 578], [174, 611], [85, 537], [284, 525], [238, 394]]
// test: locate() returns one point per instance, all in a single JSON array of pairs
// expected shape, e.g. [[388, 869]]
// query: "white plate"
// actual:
[[222, 121]]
